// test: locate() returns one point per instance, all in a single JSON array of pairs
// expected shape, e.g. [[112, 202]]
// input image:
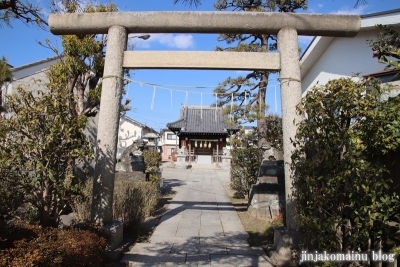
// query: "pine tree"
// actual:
[[5, 76], [245, 96]]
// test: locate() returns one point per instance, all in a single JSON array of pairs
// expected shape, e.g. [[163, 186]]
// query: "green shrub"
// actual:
[[11, 196], [32, 245], [133, 201], [40, 145], [81, 204], [244, 169], [152, 161], [344, 189]]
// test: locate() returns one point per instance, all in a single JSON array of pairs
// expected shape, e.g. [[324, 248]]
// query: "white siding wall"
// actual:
[[167, 145], [128, 132], [343, 58], [330, 58], [170, 141]]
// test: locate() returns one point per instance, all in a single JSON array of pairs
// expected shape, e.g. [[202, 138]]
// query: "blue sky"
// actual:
[[153, 105]]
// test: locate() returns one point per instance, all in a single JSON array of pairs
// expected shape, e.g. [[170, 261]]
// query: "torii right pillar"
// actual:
[[290, 80]]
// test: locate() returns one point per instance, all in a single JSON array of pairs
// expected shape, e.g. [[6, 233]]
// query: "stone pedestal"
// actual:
[[115, 233], [226, 162], [271, 169], [180, 161], [267, 196], [123, 166], [130, 176], [285, 242], [266, 201], [137, 163]]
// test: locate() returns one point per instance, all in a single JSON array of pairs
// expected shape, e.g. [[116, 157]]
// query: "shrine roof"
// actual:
[[202, 120]]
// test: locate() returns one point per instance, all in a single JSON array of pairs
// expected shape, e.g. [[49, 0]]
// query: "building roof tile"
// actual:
[[201, 120]]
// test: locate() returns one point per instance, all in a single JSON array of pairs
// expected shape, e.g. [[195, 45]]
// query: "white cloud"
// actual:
[[350, 11], [180, 41], [320, 5]]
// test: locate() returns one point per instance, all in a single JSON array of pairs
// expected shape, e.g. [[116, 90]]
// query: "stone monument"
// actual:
[[267, 196], [181, 158], [131, 166], [132, 157], [226, 158]]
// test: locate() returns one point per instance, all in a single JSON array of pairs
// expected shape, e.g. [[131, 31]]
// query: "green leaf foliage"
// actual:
[[244, 169], [152, 161], [5, 71], [386, 47], [5, 76], [273, 129], [40, 145], [81, 64], [345, 147]]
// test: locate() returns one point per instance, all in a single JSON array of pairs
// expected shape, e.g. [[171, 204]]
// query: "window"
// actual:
[[171, 136]]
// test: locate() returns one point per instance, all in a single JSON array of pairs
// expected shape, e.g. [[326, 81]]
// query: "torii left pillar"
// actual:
[[107, 132]]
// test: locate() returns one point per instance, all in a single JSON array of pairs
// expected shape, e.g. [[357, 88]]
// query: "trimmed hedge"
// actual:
[[244, 169], [32, 245]]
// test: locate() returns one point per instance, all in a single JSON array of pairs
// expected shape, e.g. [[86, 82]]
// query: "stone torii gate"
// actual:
[[286, 25]]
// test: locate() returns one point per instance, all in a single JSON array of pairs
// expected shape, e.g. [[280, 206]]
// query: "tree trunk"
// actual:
[[261, 122], [80, 88], [46, 220]]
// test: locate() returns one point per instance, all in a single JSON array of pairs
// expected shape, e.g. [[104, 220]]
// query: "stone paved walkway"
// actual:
[[200, 226]]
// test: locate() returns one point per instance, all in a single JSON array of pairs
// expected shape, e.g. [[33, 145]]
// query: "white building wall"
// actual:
[[128, 132], [344, 57], [170, 141], [167, 145], [330, 58], [31, 76]]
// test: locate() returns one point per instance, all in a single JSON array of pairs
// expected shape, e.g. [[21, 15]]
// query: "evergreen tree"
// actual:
[[5, 76], [249, 92], [81, 63], [43, 141]]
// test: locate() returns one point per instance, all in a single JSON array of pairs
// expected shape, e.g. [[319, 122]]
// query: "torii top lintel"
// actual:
[[206, 22]]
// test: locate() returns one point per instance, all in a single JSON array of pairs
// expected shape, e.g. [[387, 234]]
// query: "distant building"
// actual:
[[25, 75], [390, 78], [202, 130], [129, 131], [249, 138], [168, 143]]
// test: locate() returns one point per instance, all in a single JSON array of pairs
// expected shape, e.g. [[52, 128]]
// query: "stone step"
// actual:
[[148, 254], [203, 159], [204, 166]]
